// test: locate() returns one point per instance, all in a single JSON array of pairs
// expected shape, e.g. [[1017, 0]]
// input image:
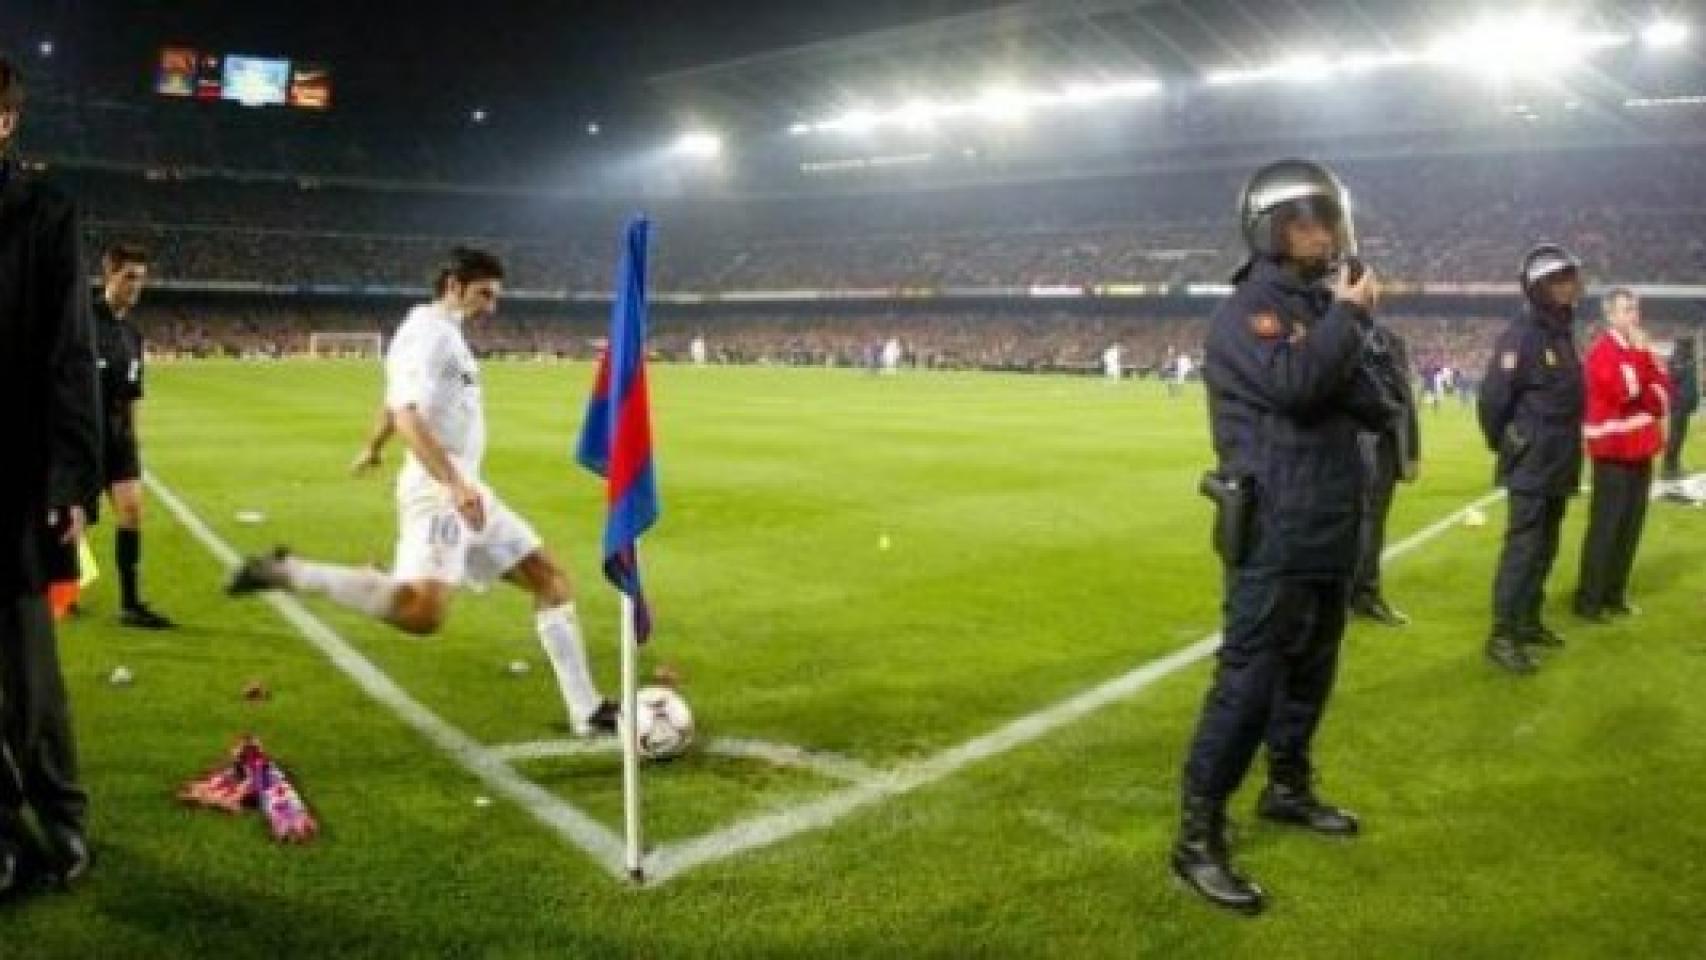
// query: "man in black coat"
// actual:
[[1685, 378], [1389, 456], [51, 435]]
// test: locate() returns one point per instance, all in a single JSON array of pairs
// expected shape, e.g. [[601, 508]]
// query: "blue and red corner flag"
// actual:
[[616, 440]]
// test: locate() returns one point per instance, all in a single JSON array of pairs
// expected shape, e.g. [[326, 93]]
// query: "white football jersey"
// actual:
[[429, 367]]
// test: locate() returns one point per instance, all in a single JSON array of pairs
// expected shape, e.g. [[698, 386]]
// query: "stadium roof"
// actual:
[[1080, 41]]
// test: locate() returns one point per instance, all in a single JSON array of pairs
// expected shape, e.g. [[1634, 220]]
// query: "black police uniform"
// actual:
[[1288, 397], [1685, 381], [119, 353], [1386, 455], [1531, 408]]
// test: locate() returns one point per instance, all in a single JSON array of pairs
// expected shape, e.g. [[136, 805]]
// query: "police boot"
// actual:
[[1506, 652], [1290, 799], [1537, 634], [1201, 860]]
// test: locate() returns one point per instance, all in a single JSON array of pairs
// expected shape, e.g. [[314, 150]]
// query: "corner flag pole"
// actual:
[[616, 444], [631, 807]]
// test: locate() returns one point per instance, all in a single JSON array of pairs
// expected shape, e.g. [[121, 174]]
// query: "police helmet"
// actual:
[[1546, 260], [1290, 190]]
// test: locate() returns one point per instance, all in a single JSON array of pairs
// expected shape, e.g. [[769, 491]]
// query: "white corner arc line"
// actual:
[[574, 826], [673, 859], [831, 766]]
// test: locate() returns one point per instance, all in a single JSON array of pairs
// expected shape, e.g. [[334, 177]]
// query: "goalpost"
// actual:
[[339, 345]]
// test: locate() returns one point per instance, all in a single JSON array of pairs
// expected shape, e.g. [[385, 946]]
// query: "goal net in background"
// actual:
[[346, 345]]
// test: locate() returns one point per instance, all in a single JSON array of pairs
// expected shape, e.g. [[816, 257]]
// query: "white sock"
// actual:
[[361, 589], [560, 635]]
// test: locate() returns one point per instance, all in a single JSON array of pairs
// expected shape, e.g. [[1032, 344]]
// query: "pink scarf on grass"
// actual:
[[252, 779]]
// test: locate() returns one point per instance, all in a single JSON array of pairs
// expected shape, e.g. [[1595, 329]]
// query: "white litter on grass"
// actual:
[[883, 542], [121, 677], [251, 517], [482, 802], [519, 668]]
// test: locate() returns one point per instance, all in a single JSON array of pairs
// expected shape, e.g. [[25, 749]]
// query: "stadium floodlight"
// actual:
[[45, 48], [593, 129], [699, 145], [917, 114], [1234, 78], [1003, 103], [1662, 34], [1303, 68], [478, 115], [799, 129]]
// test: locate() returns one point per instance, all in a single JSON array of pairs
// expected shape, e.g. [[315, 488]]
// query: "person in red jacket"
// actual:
[[1628, 402]]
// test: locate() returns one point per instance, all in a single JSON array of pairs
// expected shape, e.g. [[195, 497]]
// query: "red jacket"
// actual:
[[1628, 399]]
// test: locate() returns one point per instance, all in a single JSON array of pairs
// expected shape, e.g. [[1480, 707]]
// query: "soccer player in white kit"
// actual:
[[1113, 364], [453, 530]]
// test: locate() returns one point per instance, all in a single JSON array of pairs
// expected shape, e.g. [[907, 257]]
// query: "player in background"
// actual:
[[891, 356], [697, 350], [453, 530], [1113, 363]]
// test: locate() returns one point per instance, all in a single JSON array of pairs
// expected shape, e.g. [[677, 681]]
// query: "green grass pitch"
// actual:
[[1043, 536]]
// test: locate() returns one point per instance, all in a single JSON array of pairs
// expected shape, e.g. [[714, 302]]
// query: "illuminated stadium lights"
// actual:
[[478, 115], [1665, 33], [1694, 100], [699, 145], [996, 103], [1526, 44], [1003, 104], [45, 48]]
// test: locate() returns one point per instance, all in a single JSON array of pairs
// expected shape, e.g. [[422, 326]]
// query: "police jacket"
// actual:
[[1532, 403], [1288, 396]]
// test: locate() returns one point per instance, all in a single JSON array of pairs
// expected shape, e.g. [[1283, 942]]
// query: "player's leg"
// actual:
[[560, 635], [431, 560], [509, 547]]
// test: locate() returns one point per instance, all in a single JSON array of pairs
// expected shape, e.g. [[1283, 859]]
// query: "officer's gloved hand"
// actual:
[[1363, 291]]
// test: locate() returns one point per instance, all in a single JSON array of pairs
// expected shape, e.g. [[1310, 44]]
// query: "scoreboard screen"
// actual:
[[188, 74], [177, 74], [256, 81], [311, 86]]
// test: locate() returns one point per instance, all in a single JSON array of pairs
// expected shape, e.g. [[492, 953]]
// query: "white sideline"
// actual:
[[600, 843], [672, 859]]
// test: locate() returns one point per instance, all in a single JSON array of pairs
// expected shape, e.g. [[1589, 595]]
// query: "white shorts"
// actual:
[[435, 543]]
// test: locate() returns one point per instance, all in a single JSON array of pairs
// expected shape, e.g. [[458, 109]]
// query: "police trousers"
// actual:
[[1277, 662]]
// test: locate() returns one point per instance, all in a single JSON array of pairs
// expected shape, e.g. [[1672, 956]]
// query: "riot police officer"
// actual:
[[1289, 394], [1531, 408]]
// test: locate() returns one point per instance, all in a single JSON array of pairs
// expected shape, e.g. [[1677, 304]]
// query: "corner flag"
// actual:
[[616, 440]]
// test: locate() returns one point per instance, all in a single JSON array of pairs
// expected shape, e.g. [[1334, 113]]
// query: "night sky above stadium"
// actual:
[[590, 58]]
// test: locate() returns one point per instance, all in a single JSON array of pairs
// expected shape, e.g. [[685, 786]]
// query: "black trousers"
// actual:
[[1382, 467], [38, 768], [1620, 493], [1531, 547], [1277, 662], [1679, 421]]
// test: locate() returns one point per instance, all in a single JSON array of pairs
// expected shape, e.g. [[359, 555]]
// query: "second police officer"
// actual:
[[1531, 409]]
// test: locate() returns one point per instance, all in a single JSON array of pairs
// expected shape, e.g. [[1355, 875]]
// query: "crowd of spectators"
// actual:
[[1634, 216]]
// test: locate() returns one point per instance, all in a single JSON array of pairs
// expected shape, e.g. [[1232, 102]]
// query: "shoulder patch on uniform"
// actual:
[[1507, 361], [1266, 324]]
